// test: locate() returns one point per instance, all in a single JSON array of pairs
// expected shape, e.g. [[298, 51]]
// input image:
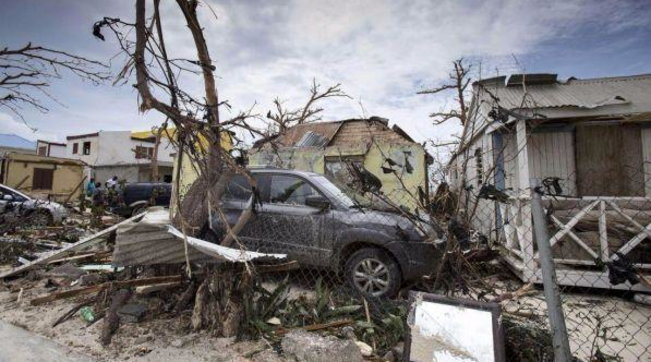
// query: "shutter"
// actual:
[[609, 160], [42, 179]]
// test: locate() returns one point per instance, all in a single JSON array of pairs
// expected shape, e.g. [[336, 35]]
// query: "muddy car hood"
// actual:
[[387, 222]]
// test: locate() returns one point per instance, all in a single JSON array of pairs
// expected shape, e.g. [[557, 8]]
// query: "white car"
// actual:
[[15, 204]]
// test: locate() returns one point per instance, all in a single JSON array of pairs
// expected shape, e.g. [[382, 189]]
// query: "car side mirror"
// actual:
[[7, 197], [318, 202]]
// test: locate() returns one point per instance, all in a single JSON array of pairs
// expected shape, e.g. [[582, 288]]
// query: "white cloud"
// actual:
[[382, 51], [10, 125]]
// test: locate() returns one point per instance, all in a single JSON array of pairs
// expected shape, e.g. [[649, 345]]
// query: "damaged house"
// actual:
[[125, 154], [338, 148], [587, 143]]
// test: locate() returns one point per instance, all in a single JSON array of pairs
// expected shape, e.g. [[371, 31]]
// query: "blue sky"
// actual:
[[382, 51]]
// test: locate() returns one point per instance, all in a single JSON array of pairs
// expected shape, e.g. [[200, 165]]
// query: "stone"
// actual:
[[389, 357], [302, 346], [132, 312], [178, 343], [349, 332], [364, 348], [275, 321]]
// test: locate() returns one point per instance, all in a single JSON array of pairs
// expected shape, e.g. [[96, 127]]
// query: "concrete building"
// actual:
[[50, 149], [43, 177], [591, 138], [15, 143], [329, 148], [121, 153]]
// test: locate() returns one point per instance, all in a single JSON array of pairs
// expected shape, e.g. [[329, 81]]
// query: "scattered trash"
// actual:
[[87, 314]]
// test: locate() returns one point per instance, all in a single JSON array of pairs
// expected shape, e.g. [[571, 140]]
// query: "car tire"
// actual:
[[41, 218], [372, 272], [138, 209]]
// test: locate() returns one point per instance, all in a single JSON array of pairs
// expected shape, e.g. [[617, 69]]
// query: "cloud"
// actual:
[[382, 51], [10, 125]]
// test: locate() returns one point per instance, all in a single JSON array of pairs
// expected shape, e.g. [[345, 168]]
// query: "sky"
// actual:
[[381, 51]]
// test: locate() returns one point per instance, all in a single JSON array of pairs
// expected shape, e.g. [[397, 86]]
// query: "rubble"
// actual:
[[302, 346]]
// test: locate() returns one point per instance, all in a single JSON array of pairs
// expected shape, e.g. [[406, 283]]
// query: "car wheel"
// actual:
[[139, 209], [40, 218], [373, 272]]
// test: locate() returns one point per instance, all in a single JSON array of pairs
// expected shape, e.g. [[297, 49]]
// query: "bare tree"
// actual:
[[284, 118], [28, 72]]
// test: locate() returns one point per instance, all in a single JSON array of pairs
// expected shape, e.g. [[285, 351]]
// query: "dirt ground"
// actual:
[[624, 326], [153, 339]]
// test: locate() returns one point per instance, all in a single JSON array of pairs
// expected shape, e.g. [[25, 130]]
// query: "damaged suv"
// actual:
[[306, 216]]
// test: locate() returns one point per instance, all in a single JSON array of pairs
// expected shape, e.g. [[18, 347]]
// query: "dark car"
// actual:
[[136, 197], [308, 217]]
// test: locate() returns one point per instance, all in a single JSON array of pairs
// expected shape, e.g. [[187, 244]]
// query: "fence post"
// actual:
[[552, 294]]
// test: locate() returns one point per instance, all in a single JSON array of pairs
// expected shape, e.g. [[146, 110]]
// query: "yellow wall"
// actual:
[[65, 177], [189, 172], [313, 159]]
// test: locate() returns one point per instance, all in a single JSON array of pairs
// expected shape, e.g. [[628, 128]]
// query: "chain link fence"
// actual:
[[353, 266]]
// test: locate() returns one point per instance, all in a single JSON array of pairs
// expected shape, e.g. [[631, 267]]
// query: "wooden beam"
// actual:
[[603, 232], [568, 227], [576, 239], [96, 288]]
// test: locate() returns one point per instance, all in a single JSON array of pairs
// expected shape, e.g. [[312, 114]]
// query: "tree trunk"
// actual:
[[218, 305]]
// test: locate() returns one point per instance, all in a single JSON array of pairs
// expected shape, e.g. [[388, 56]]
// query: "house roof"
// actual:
[[15, 141], [17, 156], [543, 92], [320, 134]]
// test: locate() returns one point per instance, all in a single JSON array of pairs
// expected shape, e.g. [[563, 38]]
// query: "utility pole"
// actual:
[[562, 351]]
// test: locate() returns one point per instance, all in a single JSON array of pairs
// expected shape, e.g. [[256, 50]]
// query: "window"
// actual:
[[75, 148], [238, 189], [86, 150], [338, 169], [42, 151], [42, 179], [480, 166], [144, 152], [290, 190]]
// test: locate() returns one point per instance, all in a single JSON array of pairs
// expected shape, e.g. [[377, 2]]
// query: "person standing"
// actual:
[[90, 187]]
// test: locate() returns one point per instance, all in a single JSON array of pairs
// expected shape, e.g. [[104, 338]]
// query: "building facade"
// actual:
[[123, 154], [331, 148], [587, 144]]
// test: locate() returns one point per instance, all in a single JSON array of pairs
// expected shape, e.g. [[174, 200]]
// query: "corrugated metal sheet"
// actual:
[[633, 91], [153, 241], [312, 139], [294, 134]]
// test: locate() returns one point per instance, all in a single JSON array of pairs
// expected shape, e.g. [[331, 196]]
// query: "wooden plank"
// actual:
[[603, 231], [630, 219], [568, 227], [83, 243], [576, 239], [95, 288], [631, 244]]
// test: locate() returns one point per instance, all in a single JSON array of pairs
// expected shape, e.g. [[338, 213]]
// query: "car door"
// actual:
[[233, 202], [289, 225]]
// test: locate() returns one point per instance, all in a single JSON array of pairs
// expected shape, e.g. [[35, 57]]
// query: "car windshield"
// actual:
[[345, 198]]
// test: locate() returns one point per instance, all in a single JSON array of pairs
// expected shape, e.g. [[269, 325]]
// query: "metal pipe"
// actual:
[[562, 351]]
